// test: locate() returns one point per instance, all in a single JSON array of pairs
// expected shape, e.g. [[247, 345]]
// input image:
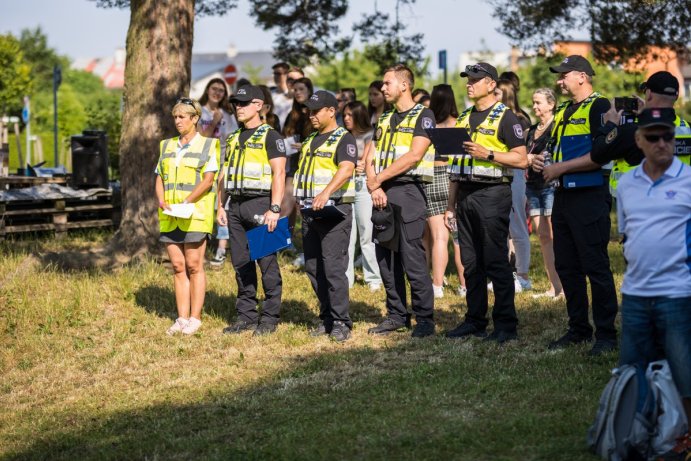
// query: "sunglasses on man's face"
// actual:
[[653, 138], [243, 103]]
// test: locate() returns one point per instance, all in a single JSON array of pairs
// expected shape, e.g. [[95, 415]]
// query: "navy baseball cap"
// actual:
[[247, 93], [321, 99], [480, 70], [663, 116], [662, 83]]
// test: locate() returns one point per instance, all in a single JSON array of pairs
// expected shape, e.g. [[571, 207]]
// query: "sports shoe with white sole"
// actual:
[[178, 326], [192, 326], [438, 291]]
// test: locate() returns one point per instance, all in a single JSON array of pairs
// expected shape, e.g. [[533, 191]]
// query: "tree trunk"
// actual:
[[157, 73]]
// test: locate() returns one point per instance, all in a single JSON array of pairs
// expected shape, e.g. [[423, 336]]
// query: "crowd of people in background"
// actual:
[[401, 203]]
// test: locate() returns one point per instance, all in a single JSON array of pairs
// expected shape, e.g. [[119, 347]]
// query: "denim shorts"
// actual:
[[657, 327], [540, 201]]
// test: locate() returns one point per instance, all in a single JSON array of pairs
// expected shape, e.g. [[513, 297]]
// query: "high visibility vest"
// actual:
[[486, 134], [247, 166], [682, 149], [576, 127], [181, 179], [391, 145], [682, 134], [317, 168]]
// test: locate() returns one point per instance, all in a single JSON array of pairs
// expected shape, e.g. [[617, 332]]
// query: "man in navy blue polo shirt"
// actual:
[[654, 211]]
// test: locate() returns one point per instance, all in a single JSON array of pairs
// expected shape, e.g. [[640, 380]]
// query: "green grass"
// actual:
[[87, 372]]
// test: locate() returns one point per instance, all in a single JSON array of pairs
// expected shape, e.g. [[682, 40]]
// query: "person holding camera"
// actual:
[[580, 214], [615, 141]]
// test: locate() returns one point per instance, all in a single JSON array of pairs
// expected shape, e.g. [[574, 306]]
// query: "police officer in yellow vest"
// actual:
[[580, 216], [324, 187], [398, 163], [253, 178], [480, 201], [616, 141], [185, 174]]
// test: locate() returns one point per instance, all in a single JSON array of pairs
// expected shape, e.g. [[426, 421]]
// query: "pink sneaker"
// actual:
[[192, 326], [177, 327]]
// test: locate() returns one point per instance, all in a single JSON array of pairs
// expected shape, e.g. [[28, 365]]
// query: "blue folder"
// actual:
[[574, 147], [263, 243]]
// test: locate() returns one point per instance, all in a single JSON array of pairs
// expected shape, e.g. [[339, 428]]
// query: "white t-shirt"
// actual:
[[226, 126], [282, 105]]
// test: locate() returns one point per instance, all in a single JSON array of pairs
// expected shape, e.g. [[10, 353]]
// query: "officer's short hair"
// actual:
[[281, 66], [403, 72]]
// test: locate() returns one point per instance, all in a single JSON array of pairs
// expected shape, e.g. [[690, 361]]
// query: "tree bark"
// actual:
[[157, 73]]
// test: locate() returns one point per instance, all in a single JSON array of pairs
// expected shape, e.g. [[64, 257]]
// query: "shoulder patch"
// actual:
[[611, 136], [351, 150], [280, 146], [377, 135], [518, 130], [427, 122]]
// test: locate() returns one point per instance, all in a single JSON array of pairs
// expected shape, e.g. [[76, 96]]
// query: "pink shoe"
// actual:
[[178, 326], [192, 326]]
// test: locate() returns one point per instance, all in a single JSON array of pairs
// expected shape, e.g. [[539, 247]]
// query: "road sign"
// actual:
[[25, 114], [230, 73], [442, 59]]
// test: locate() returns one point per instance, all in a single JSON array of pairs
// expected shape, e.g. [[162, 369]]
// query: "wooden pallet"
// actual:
[[12, 182], [57, 215]]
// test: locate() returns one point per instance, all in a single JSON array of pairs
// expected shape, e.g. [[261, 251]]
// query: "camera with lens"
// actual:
[[629, 108]]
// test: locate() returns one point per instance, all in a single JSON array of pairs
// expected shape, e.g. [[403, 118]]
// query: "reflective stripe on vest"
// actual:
[[486, 134], [317, 168], [682, 149], [180, 178], [391, 146], [247, 167]]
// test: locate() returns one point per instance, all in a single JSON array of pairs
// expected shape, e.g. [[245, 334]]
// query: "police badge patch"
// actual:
[[610, 136], [351, 150], [427, 122], [518, 130], [280, 146], [378, 134]]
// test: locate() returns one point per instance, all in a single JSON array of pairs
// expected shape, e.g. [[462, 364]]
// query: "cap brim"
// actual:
[[559, 69], [658, 124], [235, 99]]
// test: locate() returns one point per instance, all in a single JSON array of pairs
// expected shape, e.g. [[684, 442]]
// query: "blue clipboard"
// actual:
[[263, 243], [574, 147]]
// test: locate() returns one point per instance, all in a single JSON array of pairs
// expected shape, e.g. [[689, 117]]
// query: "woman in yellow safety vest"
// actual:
[[185, 175]]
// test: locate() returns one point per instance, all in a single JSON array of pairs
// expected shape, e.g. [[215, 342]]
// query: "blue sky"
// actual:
[[98, 32]]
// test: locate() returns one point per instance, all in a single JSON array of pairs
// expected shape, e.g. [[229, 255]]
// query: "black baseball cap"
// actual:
[[662, 83], [247, 93], [573, 62], [384, 229], [321, 99], [663, 116], [480, 70]]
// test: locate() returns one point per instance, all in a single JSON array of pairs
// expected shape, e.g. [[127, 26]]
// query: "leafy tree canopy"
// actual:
[[15, 75], [619, 29]]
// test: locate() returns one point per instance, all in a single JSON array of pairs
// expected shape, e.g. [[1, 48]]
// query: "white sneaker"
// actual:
[[438, 291], [490, 287], [374, 287], [525, 283], [299, 261], [192, 326], [462, 291], [178, 326]]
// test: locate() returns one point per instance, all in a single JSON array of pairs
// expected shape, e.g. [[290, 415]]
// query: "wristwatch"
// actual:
[[490, 156], [275, 208]]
